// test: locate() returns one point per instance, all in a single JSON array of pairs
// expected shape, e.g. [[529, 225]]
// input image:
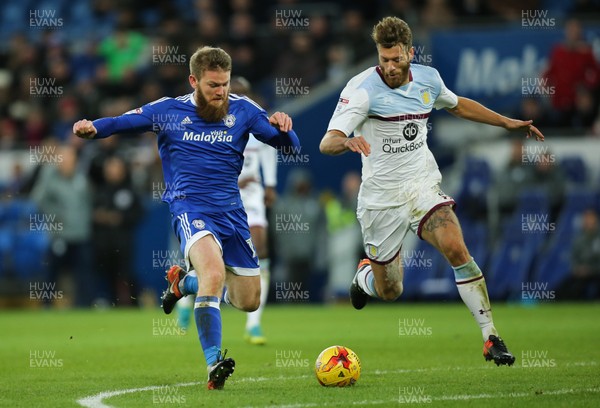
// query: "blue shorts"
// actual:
[[230, 230]]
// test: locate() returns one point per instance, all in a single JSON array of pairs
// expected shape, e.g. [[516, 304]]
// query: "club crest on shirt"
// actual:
[[425, 96], [229, 120], [372, 250], [199, 224]]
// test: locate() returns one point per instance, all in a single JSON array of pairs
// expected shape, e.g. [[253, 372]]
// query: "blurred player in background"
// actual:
[[387, 107], [201, 139], [255, 197]]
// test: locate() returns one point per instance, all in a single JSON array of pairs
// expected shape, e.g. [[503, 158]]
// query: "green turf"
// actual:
[[437, 363]]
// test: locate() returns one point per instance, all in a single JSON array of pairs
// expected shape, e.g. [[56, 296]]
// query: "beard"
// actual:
[[399, 78], [208, 112]]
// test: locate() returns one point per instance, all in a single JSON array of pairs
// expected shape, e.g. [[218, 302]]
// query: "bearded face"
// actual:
[[212, 95], [211, 112], [395, 64]]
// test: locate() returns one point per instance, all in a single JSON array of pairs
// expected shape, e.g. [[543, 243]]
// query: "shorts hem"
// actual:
[[451, 203]]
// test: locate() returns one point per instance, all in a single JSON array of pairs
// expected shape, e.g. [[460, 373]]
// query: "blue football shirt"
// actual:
[[201, 161]]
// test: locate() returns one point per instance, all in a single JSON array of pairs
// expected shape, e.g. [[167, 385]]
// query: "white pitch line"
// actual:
[[464, 397], [96, 401]]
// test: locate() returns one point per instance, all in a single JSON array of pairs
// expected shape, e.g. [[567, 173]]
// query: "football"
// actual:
[[337, 366]]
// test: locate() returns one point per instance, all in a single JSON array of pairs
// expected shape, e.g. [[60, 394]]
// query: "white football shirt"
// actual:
[[394, 122]]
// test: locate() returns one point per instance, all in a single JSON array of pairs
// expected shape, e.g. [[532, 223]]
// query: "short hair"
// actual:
[[392, 31], [209, 59]]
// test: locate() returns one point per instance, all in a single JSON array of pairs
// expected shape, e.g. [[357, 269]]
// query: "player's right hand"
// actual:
[[358, 144], [85, 129]]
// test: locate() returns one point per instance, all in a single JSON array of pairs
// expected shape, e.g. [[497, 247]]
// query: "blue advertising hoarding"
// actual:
[[494, 67]]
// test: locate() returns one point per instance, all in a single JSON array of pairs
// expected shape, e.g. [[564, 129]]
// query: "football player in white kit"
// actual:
[[387, 108]]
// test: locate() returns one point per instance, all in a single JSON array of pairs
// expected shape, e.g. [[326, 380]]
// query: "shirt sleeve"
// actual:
[[351, 111], [136, 120], [446, 98], [267, 133]]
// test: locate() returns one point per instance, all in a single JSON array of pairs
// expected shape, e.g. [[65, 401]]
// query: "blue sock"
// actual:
[[208, 323], [190, 285]]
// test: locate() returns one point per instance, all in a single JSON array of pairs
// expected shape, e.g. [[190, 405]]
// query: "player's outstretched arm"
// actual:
[[471, 110], [335, 142]]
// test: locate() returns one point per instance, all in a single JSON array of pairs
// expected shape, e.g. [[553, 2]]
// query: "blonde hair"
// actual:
[[209, 59]]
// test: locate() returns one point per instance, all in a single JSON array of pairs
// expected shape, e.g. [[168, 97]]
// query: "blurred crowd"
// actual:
[[91, 55], [104, 57]]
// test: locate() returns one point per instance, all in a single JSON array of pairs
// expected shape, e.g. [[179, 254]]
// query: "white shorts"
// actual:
[[384, 230], [253, 197]]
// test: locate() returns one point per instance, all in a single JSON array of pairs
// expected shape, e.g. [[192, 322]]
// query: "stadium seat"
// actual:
[[18, 212], [30, 254], [6, 239], [574, 169], [554, 264], [511, 263], [472, 197]]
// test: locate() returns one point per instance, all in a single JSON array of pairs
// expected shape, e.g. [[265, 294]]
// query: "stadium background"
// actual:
[[61, 61]]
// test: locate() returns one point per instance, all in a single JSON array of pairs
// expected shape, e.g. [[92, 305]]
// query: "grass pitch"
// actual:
[[410, 354]]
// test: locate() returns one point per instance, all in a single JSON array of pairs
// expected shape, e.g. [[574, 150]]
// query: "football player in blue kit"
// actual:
[[201, 140]]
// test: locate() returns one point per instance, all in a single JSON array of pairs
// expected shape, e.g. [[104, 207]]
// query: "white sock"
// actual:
[[473, 291], [253, 318], [366, 281]]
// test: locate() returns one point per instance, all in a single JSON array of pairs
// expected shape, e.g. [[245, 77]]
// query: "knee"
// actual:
[[391, 292]]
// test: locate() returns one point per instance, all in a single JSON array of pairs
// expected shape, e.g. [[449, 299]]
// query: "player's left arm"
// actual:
[[471, 110], [276, 131]]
